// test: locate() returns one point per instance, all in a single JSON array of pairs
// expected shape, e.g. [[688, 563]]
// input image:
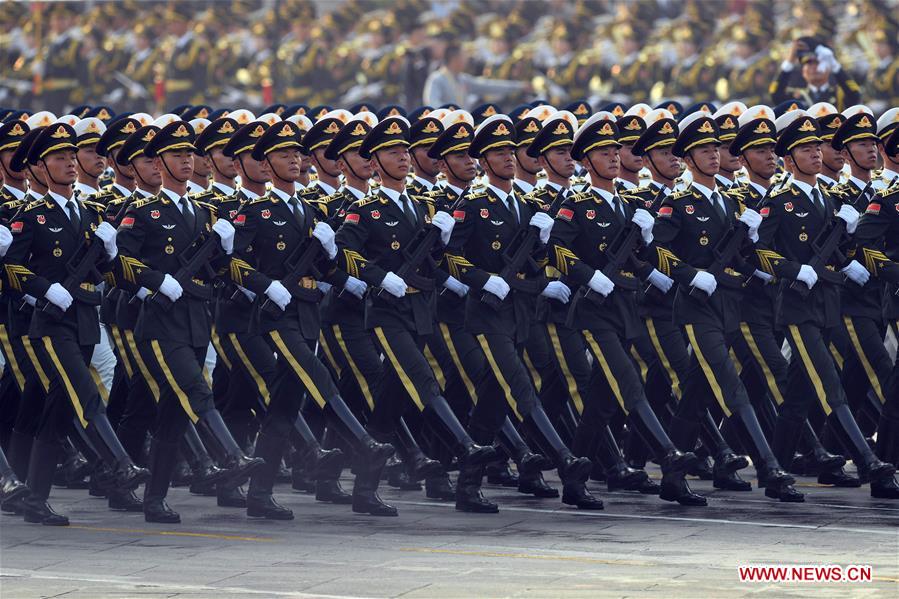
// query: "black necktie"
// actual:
[[297, 210], [186, 211], [408, 210], [74, 214], [719, 206], [619, 208], [817, 201], [510, 204]]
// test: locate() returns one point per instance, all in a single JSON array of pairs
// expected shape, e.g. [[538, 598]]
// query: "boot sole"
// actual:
[[15, 494], [881, 472]]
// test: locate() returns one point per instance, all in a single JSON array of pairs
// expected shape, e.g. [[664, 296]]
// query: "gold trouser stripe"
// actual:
[[606, 369], [563, 364], [535, 376], [217, 345], [206, 376], [104, 392], [142, 366], [738, 366], [70, 389], [760, 359], [435, 368], [11, 358], [810, 370], [866, 364], [663, 358], [644, 370], [404, 378], [707, 369], [284, 352], [179, 392], [466, 380], [360, 379], [328, 354], [836, 355], [41, 375], [507, 391], [120, 345], [260, 382]]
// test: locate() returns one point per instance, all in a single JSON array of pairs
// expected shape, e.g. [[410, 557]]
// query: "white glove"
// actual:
[[557, 290], [645, 221], [761, 274], [544, 222], [279, 294], [753, 220], [856, 273], [497, 286], [59, 296], [601, 284], [323, 286], [107, 233], [393, 285], [850, 215], [325, 234], [456, 286], [660, 281], [5, 240], [444, 222], [807, 275], [29, 299], [171, 288], [225, 231], [826, 60], [705, 281], [355, 287], [142, 293]]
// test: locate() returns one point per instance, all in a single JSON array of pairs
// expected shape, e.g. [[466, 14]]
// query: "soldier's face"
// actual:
[[91, 162], [178, 163], [812, 75], [526, 163], [832, 158], [255, 170], [560, 160], [668, 165], [500, 161], [807, 158], [9, 174], [326, 164], [705, 158], [629, 160], [201, 166], [394, 162], [606, 161], [305, 163], [761, 160], [147, 171], [59, 167], [285, 164], [224, 164], [729, 162], [460, 166], [352, 163], [427, 165], [863, 152]]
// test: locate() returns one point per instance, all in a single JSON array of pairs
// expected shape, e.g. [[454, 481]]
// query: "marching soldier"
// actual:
[[49, 235], [794, 216], [832, 161], [315, 142], [90, 163], [726, 119], [172, 332], [823, 77], [889, 173]]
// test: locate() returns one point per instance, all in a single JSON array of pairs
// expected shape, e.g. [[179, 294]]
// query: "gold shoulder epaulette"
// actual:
[[35, 204], [780, 191], [369, 199], [583, 196], [259, 200], [99, 207], [685, 193], [206, 205], [201, 196], [476, 194], [144, 202]]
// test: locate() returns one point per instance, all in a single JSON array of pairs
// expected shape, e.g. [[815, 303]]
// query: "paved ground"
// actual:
[[638, 546]]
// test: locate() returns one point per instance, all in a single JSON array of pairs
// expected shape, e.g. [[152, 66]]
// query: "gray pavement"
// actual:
[[638, 546]]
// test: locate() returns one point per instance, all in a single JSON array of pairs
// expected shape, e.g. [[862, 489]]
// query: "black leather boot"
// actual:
[[127, 475], [41, 468], [260, 502], [319, 462], [469, 497], [329, 491], [74, 467], [205, 472], [684, 434], [645, 422], [217, 438], [163, 456], [19, 453], [230, 496], [515, 446], [365, 494], [443, 422], [778, 484], [543, 435], [727, 463], [125, 500], [869, 467], [370, 455], [500, 473], [418, 466], [888, 450], [11, 488], [618, 475], [440, 487]]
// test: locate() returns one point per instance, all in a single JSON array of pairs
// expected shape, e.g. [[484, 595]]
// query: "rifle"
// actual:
[[619, 253], [301, 265], [78, 272], [824, 246], [524, 243], [189, 267]]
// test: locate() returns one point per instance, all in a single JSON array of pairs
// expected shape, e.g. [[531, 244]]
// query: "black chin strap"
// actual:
[[552, 168], [696, 166], [524, 168], [169, 171], [594, 171], [218, 170], [244, 169], [274, 170], [352, 170], [796, 166], [323, 169], [384, 170], [49, 176], [655, 169], [141, 179], [494, 173], [419, 167]]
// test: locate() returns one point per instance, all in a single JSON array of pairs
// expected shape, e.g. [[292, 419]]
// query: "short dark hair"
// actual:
[[451, 52]]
